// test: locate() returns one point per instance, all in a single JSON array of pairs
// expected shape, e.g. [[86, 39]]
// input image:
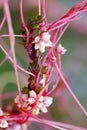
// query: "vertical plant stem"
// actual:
[[2, 22], [39, 7], [69, 89], [44, 10], [12, 43], [23, 23]]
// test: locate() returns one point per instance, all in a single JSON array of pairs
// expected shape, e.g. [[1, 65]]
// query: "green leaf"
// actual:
[[39, 89], [25, 90]]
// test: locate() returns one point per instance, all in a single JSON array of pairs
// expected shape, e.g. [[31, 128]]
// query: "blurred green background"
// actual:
[[74, 62]]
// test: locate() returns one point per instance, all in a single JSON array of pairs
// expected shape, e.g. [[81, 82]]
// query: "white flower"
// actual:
[[41, 99], [3, 123], [43, 103], [37, 39], [31, 101], [45, 36], [48, 44], [61, 49], [32, 94], [44, 109], [40, 46], [42, 42], [24, 97], [48, 101]]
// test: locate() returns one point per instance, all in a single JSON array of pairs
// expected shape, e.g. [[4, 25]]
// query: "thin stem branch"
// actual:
[[39, 7], [12, 42], [20, 68], [69, 89], [2, 22], [23, 23], [8, 35]]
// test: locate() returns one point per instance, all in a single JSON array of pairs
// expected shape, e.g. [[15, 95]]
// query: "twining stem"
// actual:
[[2, 22], [8, 35], [69, 89], [12, 42], [55, 124], [5, 59], [44, 10], [23, 23], [39, 7], [20, 68]]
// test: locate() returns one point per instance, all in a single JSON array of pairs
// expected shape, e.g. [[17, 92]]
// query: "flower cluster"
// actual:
[[61, 49], [42, 41], [3, 122], [41, 103]]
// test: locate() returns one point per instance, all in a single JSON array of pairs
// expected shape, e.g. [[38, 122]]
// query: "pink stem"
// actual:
[[44, 10], [55, 124], [20, 68], [61, 33], [3, 21], [5, 59], [53, 87], [12, 43], [69, 89], [23, 23], [39, 7], [8, 35], [65, 20]]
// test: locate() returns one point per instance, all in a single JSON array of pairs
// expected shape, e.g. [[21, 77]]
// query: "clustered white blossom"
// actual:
[[42, 41], [61, 49], [41, 105], [3, 122]]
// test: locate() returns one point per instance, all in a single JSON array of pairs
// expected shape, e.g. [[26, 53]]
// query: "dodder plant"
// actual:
[[44, 50]]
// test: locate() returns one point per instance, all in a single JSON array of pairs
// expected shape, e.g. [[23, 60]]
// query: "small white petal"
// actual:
[[24, 97], [3, 124], [36, 46], [46, 36], [37, 39], [31, 101], [48, 44], [32, 94], [41, 99], [44, 109], [42, 48], [40, 105], [48, 101], [61, 49]]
